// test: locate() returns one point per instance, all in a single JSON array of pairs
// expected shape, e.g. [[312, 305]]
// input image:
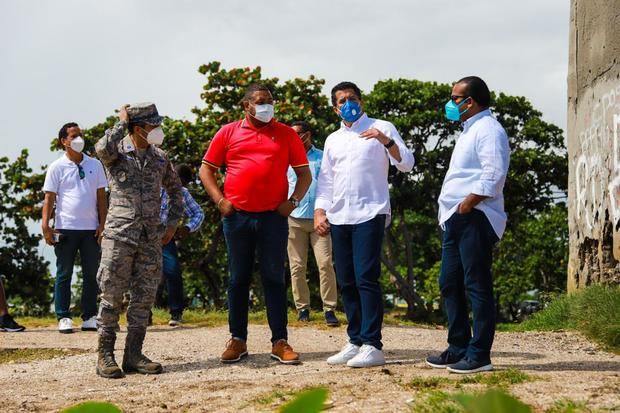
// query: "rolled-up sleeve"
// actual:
[[494, 156], [406, 155], [325, 183]]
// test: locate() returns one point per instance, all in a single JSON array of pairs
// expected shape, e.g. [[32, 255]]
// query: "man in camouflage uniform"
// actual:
[[133, 236]]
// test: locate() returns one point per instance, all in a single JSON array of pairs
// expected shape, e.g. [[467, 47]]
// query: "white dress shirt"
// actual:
[[352, 186], [479, 165]]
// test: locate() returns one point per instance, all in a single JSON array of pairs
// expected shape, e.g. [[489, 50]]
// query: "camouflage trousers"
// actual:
[[133, 268]]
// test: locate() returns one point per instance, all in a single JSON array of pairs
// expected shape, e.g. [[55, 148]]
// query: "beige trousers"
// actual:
[[300, 234]]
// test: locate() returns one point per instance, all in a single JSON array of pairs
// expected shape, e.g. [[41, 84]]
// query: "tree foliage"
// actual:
[[27, 279]]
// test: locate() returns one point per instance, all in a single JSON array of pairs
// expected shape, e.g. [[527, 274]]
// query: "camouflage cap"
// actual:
[[144, 113]]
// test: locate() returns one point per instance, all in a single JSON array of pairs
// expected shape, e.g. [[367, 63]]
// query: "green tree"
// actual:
[[27, 279], [532, 256]]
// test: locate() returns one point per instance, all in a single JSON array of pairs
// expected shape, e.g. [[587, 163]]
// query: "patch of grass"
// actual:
[[26, 355], [192, 317], [569, 406], [425, 383], [274, 396], [277, 397], [37, 322], [435, 401], [500, 378], [202, 318], [592, 311], [490, 401]]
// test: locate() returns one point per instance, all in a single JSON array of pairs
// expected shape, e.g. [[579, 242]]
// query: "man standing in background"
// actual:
[[301, 232], [75, 194], [172, 269]]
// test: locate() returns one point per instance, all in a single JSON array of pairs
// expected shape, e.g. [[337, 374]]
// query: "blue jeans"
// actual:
[[174, 278], [466, 259], [66, 249], [357, 255], [264, 234]]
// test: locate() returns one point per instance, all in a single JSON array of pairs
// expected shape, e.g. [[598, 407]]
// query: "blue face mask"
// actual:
[[453, 111], [350, 111]]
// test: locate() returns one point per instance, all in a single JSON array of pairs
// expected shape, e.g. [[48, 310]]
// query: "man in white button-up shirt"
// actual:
[[353, 203], [471, 213]]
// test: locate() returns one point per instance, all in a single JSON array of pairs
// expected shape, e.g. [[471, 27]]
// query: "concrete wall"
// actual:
[[594, 142]]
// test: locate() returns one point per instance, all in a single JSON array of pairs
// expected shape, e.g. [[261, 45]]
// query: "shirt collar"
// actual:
[[128, 145], [356, 125], [249, 125], [467, 124], [84, 156]]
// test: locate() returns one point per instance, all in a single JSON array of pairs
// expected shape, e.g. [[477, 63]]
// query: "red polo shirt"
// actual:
[[257, 160]]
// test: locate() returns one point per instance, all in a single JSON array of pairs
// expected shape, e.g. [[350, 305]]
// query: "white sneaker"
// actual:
[[65, 325], [368, 356], [347, 353], [90, 324]]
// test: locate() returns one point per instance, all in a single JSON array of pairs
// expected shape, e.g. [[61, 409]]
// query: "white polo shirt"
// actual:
[[76, 199]]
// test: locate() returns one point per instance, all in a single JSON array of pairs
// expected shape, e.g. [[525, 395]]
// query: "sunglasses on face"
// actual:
[[454, 98]]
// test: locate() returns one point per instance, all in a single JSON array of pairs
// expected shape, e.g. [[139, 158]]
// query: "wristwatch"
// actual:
[[294, 201], [389, 144]]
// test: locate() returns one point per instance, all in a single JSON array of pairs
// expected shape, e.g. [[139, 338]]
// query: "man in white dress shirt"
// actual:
[[471, 213], [353, 204]]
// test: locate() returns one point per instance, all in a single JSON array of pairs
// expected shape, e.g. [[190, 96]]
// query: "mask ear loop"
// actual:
[[460, 104], [144, 138]]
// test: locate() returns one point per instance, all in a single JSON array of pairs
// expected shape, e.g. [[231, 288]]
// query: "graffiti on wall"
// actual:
[[597, 169]]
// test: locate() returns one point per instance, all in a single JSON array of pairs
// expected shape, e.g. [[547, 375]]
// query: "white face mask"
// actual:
[[156, 136], [264, 113], [77, 144]]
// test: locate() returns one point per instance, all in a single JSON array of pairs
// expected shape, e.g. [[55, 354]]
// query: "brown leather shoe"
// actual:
[[284, 353], [235, 350]]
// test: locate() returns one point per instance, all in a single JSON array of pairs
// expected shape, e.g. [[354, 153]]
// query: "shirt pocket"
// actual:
[[121, 207], [122, 174], [464, 155], [367, 149]]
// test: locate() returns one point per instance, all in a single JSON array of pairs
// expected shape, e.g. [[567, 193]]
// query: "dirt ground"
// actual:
[[566, 366]]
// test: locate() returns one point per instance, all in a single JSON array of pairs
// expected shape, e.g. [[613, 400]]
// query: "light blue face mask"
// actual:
[[350, 111], [453, 111]]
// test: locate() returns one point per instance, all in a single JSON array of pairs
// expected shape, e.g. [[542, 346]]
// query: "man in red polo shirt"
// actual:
[[257, 152]]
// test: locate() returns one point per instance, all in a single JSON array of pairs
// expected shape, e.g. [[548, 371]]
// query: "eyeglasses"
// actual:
[[455, 97], [81, 172]]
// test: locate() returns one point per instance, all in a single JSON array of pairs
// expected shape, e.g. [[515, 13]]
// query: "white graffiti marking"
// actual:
[[614, 185], [592, 177]]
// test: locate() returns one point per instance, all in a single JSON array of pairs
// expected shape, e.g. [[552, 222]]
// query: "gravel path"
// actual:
[[567, 365]]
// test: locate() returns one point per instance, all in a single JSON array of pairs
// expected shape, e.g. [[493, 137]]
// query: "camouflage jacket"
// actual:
[[135, 188]]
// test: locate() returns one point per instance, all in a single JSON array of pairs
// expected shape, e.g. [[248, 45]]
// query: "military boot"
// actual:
[[133, 359], [106, 364]]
